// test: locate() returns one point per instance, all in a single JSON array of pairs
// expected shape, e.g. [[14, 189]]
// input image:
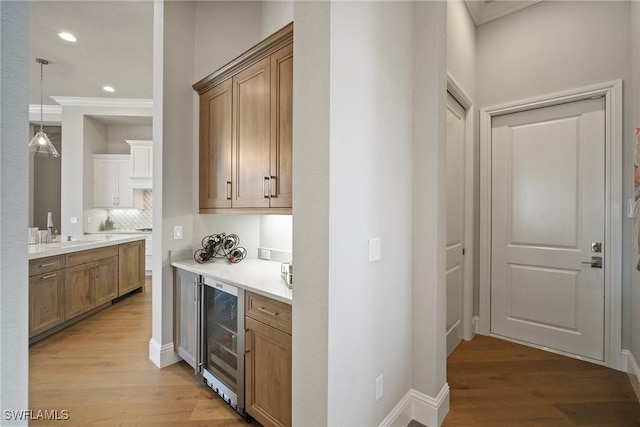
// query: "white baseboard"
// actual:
[[475, 321], [634, 372], [418, 406], [162, 355]]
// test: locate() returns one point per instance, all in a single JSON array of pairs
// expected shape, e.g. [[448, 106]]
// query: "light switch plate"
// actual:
[[631, 207], [379, 387], [74, 220], [375, 249], [177, 232]]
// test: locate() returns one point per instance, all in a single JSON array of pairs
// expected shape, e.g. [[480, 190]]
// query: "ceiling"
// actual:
[[483, 11], [114, 47]]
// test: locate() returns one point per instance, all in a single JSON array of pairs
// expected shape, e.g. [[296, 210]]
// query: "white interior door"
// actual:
[[548, 194], [455, 220]]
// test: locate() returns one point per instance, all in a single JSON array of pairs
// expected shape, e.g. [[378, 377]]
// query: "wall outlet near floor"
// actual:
[[177, 232], [379, 387], [265, 254]]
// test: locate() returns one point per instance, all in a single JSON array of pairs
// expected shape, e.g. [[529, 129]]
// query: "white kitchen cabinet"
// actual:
[[141, 163], [112, 187]]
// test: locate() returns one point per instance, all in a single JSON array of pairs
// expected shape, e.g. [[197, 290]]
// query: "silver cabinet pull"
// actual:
[[265, 187], [49, 276], [596, 262], [49, 264], [228, 190]]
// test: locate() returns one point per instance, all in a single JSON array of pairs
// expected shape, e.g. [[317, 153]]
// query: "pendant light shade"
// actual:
[[40, 144]]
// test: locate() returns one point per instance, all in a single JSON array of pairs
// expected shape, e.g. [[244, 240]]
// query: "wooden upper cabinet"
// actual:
[[215, 146], [250, 154], [281, 127], [246, 130]]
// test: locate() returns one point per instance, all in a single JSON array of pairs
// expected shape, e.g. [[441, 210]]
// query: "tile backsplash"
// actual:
[[131, 219]]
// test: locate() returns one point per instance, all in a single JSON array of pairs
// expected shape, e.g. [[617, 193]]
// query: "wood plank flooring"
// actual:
[[498, 383], [99, 370]]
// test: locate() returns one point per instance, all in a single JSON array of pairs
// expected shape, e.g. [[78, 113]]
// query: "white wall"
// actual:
[[311, 132], [461, 65], [172, 155], [635, 121], [14, 137], [367, 117], [117, 134], [275, 15], [276, 232], [555, 46], [370, 196]]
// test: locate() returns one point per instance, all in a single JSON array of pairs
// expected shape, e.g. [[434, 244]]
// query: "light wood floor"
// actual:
[[498, 383], [99, 370]]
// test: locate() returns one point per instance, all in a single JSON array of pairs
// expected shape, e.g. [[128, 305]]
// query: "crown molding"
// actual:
[[72, 101], [483, 11], [46, 109]]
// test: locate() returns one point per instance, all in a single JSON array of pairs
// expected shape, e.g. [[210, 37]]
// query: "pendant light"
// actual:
[[41, 144]]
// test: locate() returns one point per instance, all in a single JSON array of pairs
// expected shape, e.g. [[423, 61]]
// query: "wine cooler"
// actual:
[[222, 335]]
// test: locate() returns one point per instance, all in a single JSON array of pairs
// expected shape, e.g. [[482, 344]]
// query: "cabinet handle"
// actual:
[[264, 310], [228, 190], [49, 276], [272, 186], [266, 187], [49, 264]]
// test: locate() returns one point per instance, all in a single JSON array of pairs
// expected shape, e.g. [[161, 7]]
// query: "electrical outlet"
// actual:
[[74, 220], [265, 254], [177, 232], [375, 249], [379, 387], [88, 220]]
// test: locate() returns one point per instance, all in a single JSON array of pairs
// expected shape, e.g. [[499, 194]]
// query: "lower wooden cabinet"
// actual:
[[78, 290], [268, 362], [130, 266], [63, 287], [46, 301]]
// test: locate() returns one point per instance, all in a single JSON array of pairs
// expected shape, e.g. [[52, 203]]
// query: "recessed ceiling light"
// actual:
[[108, 89], [67, 36]]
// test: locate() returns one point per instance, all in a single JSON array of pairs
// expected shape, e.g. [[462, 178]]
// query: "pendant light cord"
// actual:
[[42, 62]]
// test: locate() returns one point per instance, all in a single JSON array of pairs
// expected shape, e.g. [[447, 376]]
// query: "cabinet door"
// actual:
[[106, 280], [130, 266], [215, 147], [268, 374], [281, 188], [124, 195], [141, 159], [46, 301], [186, 309], [78, 290], [251, 136], [104, 183]]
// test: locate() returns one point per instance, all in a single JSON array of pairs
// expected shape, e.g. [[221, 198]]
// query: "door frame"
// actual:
[[454, 88], [612, 92]]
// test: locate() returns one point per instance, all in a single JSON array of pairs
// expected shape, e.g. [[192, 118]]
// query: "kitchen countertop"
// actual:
[[118, 231], [255, 275], [79, 243]]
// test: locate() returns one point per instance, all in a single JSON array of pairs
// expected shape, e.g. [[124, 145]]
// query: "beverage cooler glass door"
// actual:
[[224, 340]]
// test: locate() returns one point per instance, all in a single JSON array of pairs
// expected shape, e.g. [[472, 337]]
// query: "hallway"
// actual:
[[498, 383]]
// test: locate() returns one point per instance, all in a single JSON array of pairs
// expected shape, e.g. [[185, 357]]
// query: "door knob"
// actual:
[[596, 262]]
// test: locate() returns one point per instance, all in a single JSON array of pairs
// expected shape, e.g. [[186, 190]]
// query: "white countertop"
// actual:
[[119, 231], [255, 275], [79, 243]]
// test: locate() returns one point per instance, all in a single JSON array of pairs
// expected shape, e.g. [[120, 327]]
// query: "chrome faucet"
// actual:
[[49, 227]]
